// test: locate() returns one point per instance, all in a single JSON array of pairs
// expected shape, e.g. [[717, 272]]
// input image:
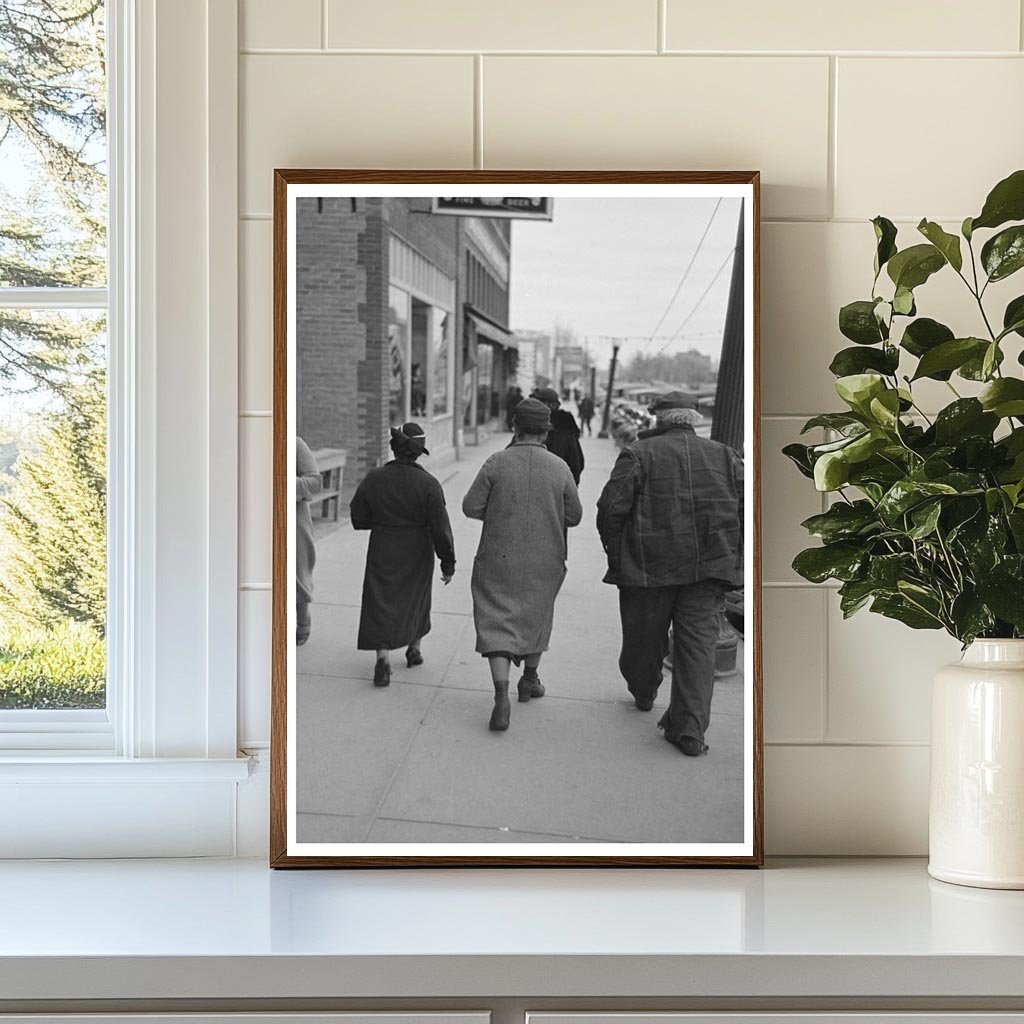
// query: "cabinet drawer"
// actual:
[[360, 1017], [934, 1017]]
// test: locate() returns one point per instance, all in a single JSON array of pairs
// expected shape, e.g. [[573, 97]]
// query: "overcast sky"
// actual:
[[610, 266]]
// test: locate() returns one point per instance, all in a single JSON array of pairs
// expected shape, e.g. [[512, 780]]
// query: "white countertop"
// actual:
[[233, 929]]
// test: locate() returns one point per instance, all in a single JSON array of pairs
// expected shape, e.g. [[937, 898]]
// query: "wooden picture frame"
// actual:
[[287, 850]]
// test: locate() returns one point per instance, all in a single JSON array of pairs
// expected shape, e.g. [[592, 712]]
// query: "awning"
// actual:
[[492, 332]]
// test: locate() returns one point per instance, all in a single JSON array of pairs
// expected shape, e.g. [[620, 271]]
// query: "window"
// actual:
[[442, 344], [53, 359]]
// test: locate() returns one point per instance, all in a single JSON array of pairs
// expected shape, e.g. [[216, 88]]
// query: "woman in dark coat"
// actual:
[[402, 506]]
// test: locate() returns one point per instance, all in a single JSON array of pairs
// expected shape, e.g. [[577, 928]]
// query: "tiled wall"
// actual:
[[909, 109]]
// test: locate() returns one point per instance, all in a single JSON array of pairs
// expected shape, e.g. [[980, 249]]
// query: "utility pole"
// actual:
[[608, 397]]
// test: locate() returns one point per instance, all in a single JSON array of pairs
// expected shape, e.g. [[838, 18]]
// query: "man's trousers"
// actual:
[[693, 613]]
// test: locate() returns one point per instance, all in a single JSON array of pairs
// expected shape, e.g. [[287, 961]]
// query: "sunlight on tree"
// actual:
[[52, 365]]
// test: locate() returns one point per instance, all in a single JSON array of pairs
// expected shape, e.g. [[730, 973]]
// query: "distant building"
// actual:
[[400, 315]]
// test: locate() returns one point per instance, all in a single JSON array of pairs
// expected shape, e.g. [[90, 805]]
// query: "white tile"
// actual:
[[254, 618], [682, 113], [255, 320], [271, 24], [867, 25], [255, 511], [351, 111], [793, 638], [495, 25], [880, 676], [846, 801], [787, 499], [809, 271], [963, 130]]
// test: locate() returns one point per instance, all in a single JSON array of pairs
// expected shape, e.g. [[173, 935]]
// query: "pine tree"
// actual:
[[53, 123], [53, 519]]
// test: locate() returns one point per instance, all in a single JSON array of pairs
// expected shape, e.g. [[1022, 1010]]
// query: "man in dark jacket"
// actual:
[[671, 522], [564, 436]]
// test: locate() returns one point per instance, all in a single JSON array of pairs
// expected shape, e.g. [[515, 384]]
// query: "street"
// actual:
[[415, 762]]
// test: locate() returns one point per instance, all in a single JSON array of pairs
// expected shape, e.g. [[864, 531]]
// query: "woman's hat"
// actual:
[[549, 396], [409, 438]]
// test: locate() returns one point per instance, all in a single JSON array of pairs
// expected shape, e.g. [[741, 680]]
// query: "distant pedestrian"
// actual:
[[564, 437], [671, 522], [403, 507], [511, 401], [527, 500], [586, 411], [308, 485]]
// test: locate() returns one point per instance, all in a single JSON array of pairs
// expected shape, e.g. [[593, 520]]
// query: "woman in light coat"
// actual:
[[527, 500]]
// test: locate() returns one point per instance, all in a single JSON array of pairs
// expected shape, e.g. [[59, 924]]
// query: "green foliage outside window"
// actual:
[[52, 365]]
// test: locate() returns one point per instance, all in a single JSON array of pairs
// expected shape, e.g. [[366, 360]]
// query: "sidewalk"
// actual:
[[416, 763]]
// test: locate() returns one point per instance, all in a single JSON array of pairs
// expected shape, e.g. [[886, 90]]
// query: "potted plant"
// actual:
[[926, 524]]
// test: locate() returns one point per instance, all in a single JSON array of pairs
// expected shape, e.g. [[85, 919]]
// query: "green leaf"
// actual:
[[857, 321], [966, 417], [799, 455], [948, 356], [925, 518], [854, 594], [831, 471], [912, 267], [1005, 202], [974, 368], [849, 361], [991, 360], [924, 334], [858, 389], [1004, 397], [885, 571], [843, 521], [840, 561], [947, 244], [899, 608], [906, 494], [885, 236], [1013, 317], [1003, 254], [903, 302], [970, 616], [965, 228], [1005, 596], [885, 409], [833, 420]]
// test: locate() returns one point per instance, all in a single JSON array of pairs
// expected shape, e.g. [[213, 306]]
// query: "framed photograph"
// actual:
[[516, 587]]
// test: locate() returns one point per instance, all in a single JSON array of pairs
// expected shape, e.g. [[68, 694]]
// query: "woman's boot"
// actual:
[[502, 712]]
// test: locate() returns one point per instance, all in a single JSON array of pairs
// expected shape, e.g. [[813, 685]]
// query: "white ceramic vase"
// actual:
[[976, 815]]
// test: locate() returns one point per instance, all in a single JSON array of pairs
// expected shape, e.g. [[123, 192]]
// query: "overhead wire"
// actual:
[[703, 295], [686, 274]]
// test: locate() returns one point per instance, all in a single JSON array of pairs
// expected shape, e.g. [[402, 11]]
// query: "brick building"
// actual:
[[394, 306]]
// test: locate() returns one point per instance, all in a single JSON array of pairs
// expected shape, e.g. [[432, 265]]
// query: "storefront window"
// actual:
[[398, 347], [418, 359], [442, 362]]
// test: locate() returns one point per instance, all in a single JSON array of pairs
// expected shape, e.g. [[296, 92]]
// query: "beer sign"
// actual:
[[528, 208]]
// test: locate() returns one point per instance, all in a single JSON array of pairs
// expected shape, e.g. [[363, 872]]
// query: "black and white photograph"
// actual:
[[516, 603]]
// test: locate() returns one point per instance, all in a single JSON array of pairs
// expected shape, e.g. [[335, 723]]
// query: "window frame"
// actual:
[[93, 730]]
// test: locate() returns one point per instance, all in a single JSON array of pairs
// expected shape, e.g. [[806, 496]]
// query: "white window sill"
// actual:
[[78, 767]]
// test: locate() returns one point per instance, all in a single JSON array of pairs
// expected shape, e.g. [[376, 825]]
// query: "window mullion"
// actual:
[[53, 298]]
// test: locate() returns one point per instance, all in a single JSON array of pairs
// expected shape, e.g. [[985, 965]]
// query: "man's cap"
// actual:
[[673, 400], [547, 395], [532, 414]]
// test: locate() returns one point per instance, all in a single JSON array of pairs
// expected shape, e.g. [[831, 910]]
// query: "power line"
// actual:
[[703, 296], [686, 274]]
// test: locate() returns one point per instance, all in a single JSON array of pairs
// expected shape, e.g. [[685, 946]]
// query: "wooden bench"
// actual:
[[331, 464]]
